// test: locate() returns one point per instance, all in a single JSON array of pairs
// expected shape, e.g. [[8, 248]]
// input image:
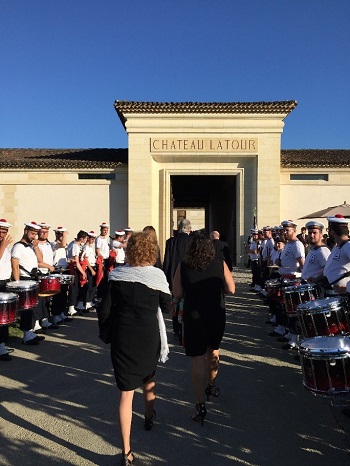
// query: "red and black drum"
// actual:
[[325, 363], [49, 285], [27, 291], [274, 289], [298, 294], [324, 317], [8, 308]]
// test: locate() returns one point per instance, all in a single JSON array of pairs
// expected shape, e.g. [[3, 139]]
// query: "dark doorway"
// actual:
[[214, 193]]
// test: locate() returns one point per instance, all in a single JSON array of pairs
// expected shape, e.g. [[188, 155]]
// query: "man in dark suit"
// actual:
[[222, 249], [303, 237]]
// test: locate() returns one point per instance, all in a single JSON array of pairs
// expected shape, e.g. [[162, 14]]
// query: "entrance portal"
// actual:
[[216, 194]]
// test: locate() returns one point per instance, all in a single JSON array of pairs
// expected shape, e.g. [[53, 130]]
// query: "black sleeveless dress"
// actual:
[[135, 342], [204, 315]]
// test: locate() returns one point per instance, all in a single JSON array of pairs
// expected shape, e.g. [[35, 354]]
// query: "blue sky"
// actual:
[[64, 63]]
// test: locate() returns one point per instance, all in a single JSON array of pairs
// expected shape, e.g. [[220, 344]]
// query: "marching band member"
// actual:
[[337, 268], [5, 275], [118, 246], [290, 265], [45, 266], [77, 265], [25, 256], [254, 257], [102, 252], [316, 259], [90, 255]]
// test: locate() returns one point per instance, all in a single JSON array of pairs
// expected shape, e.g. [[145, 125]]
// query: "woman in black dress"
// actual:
[[202, 281], [139, 292]]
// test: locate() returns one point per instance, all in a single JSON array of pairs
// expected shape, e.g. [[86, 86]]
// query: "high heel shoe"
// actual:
[[125, 461], [212, 390], [199, 413], [149, 422]]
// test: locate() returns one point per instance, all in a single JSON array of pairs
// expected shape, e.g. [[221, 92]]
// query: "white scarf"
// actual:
[[155, 279]]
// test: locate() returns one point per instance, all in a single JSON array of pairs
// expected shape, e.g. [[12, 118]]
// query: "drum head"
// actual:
[[22, 285], [8, 297], [319, 305], [274, 282], [324, 347]]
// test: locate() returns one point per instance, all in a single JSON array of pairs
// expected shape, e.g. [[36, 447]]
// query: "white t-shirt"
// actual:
[[292, 252], [337, 264], [102, 245], [59, 256], [5, 265], [268, 247], [26, 256], [47, 253], [254, 245], [315, 262], [90, 254]]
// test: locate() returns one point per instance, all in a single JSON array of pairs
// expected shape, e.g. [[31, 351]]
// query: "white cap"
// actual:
[[119, 233], [32, 225], [44, 225], [92, 234], [4, 223], [314, 224], [104, 225], [128, 229], [60, 229], [338, 218], [289, 223]]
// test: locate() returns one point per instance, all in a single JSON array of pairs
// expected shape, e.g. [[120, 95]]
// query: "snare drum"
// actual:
[[8, 308], [325, 362], [273, 289], [49, 285], [27, 291], [67, 279], [324, 317], [297, 294]]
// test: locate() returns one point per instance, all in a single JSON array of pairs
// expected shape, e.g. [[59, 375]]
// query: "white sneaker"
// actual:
[[57, 319], [273, 319], [3, 349], [37, 326], [71, 311], [80, 306], [263, 292], [257, 288], [28, 335]]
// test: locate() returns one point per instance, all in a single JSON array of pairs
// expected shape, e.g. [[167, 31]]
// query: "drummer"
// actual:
[[337, 268], [316, 259], [25, 256], [102, 254], [290, 264], [45, 266], [5, 274], [90, 256]]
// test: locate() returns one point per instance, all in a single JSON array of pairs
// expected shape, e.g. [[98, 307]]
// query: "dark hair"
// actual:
[[201, 251], [339, 229], [81, 234]]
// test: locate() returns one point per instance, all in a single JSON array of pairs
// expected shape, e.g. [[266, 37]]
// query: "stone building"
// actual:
[[219, 164]]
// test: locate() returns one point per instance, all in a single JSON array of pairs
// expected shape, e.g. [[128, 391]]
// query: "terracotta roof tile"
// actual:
[[125, 106], [62, 158], [315, 158]]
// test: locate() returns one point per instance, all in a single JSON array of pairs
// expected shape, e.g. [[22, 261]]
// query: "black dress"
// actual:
[[204, 314], [135, 342]]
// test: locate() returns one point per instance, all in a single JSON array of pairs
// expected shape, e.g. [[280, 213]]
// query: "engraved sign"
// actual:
[[204, 145]]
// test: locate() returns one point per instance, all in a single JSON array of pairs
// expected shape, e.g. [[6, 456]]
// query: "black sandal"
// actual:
[[199, 413], [212, 390], [149, 422], [125, 460]]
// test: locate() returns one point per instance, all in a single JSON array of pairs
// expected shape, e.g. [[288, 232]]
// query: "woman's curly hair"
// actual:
[[142, 249], [200, 252]]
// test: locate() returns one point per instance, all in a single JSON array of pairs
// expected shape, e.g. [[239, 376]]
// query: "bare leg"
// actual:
[[149, 397], [212, 365], [199, 377], [125, 417]]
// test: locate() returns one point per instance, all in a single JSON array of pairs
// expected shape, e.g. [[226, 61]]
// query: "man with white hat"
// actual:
[[337, 268], [25, 256], [316, 259], [102, 252], [118, 243], [90, 256], [5, 275], [254, 258]]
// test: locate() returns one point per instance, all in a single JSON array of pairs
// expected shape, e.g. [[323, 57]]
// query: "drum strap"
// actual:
[[33, 274], [346, 274]]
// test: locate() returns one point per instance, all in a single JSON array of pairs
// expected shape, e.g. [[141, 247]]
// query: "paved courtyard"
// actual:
[[59, 403]]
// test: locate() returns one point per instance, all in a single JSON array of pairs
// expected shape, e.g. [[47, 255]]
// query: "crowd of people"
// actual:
[[288, 268], [123, 278]]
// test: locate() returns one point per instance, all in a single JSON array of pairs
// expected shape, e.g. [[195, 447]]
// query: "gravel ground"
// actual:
[[59, 402]]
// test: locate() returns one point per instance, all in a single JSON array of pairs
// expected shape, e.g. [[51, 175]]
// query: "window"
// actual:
[[308, 177]]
